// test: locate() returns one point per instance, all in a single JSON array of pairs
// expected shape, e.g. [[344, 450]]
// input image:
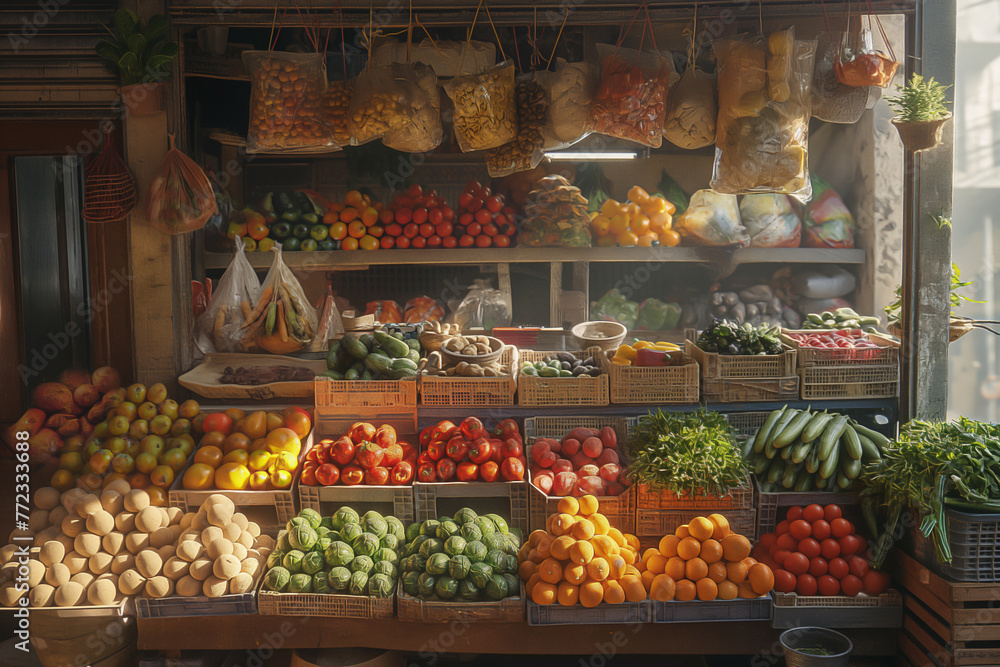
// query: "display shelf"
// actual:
[[333, 260]]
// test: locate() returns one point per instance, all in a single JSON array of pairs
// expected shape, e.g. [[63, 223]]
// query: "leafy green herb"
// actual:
[[893, 309], [140, 51], [920, 100], [686, 453], [725, 337]]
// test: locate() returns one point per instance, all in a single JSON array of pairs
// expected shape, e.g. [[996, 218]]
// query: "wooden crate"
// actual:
[[721, 366], [334, 397], [650, 526], [746, 390], [472, 391], [838, 611], [946, 623], [201, 605], [571, 392], [508, 610], [508, 499], [654, 385]]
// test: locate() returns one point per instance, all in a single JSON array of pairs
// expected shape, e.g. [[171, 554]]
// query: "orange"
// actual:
[[237, 456], [213, 439], [522, 553], [568, 505], [617, 536], [544, 593], [613, 592], [618, 566], [701, 528], [647, 239], [721, 526], [544, 548], [157, 496], [357, 229], [369, 216], [688, 548], [610, 207], [575, 573], [368, 242], [711, 551], [562, 524], [529, 587], [695, 569], [634, 590], [526, 569], [632, 541], [550, 571], [735, 547], [604, 547], [627, 239], [535, 537], [284, 440], [161, 476], [670, 238], [761, 578], [659, 222], [627, 555], [236, 441], [259, 459], [649, 553], [600, 522], [598, 569], [588, 505], [647, 579], [749, 562], [354, 198], [746, 591], [591, 593], [274, 420], [350, 214], [631, 571], [638, 195], [685, 591], [338, 231], [736, 572], [668, 545], [560, 547], [675, 568], [534, 557], [682, 531], [662, 589], [717, 572], [210, 456], [728, 590], [567, 594], [639, 225], [198, 477], [601, 225], [656, 564], [707, 590]]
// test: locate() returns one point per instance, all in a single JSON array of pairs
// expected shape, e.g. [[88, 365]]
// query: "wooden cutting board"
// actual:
[[204, 379]]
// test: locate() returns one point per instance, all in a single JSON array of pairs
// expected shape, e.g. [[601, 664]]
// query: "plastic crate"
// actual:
[[619, 510], [270, 603], [846, 382], [652, 525], [654, 385], [745, 390], [739, 498], [838, 611], [887, 352], [769, 502], [722, 366], [696, 611], [602, 614], [337, 396], [508, 610], [201, 605], [471, 391], [975, 547], [508, 499], [571, 392], [747, 423]]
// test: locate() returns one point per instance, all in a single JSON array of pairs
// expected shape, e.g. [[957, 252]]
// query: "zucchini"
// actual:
[[792, 432], [403, 362], [831, 434], [351, 374], [354, 347], [764, 432], [746, 451], [852, 468], [401, 373], [378, 362], [788, 477], [812, 461], [815, 426], [368, 340], [829, 465], [869, 451], [367, 375], [880, 440], [413, 344], [332, 355], [851, 442], [413, 355], [801, 451], [761, 464], [786, 453], [775, 473], [804, 483], [333, 375], [842, 481], [780, 426], [821, 482], [769, 450], [393, 346]]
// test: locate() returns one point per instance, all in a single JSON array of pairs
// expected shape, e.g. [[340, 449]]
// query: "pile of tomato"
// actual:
[[469, 452], [851, 339]]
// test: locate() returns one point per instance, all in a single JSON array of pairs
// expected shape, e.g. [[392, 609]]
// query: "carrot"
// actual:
[[262, 303], [245, 307], [282, 326]]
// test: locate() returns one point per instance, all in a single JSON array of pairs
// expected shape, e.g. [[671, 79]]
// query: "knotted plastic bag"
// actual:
[[282, 320], [771, 221], [712, 218], [693, 111], [483, 307], [220, 327], [828, 222], [181, 198], [631, 101]]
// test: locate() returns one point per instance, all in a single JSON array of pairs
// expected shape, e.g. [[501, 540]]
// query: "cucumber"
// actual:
[[403, 362], [413, 344], [812, 461], [355, 347], [800, 452], [368, 340], [761, 464], [333, 375], [352, 374], [781, 425], [378, 362], [831, 434], [815, 426], [769, 450], [333, 354], [852, 443], [746, 451], [393, 346], [829, 465], [367, 375], [788, 477], [821, 482], [880, 440], [775, 473], [852, 468], [413, 355], [786, 453], [401, 373], [869, 452], [792, 432], [842, 481], [764, 432], [804, 483]]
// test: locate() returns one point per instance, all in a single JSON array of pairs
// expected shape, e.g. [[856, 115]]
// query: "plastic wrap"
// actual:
[[764, 109], [485, 108], [570, 89], [219, 328], [631, 100], [380, 104], [181, 198], [827, 222], [422, 309], [833, 101], [286, 103], [693, 111], [555, 215], [525, 151], [483, 307], [615, 307], [860, 64], [445, 58], [712, 218], [771, 221], [282, 320], [421, 131], [336, 108], [384, 311]]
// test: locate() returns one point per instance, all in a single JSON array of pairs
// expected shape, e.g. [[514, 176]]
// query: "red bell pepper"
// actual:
[[472, 428], [650, 357], [468, 471], [506, 429], [436, 450], [446, 470], [480, 451], [442, 431], [426, 472], [457, 449], [489, 471]]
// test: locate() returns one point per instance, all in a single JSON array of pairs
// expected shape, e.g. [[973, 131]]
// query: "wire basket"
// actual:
[[108, 187]]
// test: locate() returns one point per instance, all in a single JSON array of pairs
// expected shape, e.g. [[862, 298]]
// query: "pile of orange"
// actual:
[[355, 222], [580, 558], [258, 451], [644, 220], [703, 559]]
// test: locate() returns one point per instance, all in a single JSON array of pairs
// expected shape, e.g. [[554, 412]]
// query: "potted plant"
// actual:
[[959, 326], [142, 53], [921, 110]]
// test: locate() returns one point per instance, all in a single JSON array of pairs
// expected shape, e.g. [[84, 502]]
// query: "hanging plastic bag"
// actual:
[[281, 320], [828, 222], [525, 151], [286, 103], [761, 142], [379, 105], [181, 198], [483, 307], [631, 100], [422, 309], [485, 108], [335, 110], [860, 64], [570, 89], [712, 218], [655, 315], [445, 58], [771, 221], [833, 101], [385, 312], [555, 215], [220, 327], [330, 323], [693, 111], [420, 130]]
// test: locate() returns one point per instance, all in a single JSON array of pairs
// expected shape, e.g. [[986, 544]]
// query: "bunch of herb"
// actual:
[[725, 337], [892, 310], [686, 453], [920, 100], [931, 465]]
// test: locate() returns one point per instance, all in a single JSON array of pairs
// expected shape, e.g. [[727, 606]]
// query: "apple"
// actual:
[[160, 425], [169, 408], [118, 425], [561, 465], [152, 444], [592, 447], [116, 444], [570, 447], [146, 410], [608, 456], [610, 471], [589, 470], [139, 429], [564, 483], [157, 393], [352, 475], [136, 393], [377, 476]]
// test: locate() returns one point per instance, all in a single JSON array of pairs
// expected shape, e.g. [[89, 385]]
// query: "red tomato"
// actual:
[[784, 581], [793, 513], [327, 474], [830, 548], [308, 476], [490, 229], [849, 545], [420, 216], [831, 512], [426, 229], [796, 563], [446, 470], [818, 567], [449, 214], [512, 469], [466, 219], [419, 242], [464, 199], [851, 585], [483, 216], [411, 230], [386, 242], [473, 229], [809, 547], [449, 242], [403, 215], [217, 421], [806, 585], [781, 528], [875, 582], [508, 229], [780, 556], [858, 566], [862, 545], [394, 229], [841, 527], [787, 542], [799, 529], [501, 241], [821, 529], [828, 585], [467, 241], [838, 568], [767, 540], [484, 241], [434, 241], [414, 191], [489, 471], [435, 216], [475, 204], [386, 216], [403, 242], [812, 513], [443, 229]]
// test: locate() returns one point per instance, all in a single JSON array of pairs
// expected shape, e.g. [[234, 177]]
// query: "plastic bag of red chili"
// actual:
[[631, 101], [860, 64]]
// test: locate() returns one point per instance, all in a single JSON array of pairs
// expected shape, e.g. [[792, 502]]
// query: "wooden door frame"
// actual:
[[109, 279]]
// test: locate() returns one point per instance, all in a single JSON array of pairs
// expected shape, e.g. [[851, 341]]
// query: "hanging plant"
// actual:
[[921, 110], [141, 53]]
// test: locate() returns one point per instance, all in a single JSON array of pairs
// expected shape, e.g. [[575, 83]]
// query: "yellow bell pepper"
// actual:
[[626, 351], [623, 361], [642, 345], [664, 345]]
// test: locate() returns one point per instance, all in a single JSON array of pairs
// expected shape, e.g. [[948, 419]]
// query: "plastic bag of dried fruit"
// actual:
[[220, 327], [693, 111], [485, 108], [631, 100], [286, 103], [570, 89], [420, 130], [181, 198], [524, 152], [281, 320], [381, 103], [335, 108]]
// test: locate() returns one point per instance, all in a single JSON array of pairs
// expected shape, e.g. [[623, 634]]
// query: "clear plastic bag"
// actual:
[[336, 108], [828, 222], [485, 108], [384, 311], [860, 64], [330, 323], [421, 130], [483, 307], [181, 198], [570, 89], [220, 327], [445, 58], [713, 219], [693, 111], [765, 103], [380, 103], [631, 100], [282, 320], [422, 309], [286, 103], [833, 101], [771, 221], [525, 151]]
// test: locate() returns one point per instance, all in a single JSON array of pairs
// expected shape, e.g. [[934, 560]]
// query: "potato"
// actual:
[[112, 502], [66, 541], [189, 550], [9, 595], [231, 531], [200, 520], [175, 514], [249, 566], [120, 486], [122, 562], [159, 587], [56, 515], [125, 522], [188, 586], [175, 568], [88, 505], [226, 566], [136, 541], [265, 541], [136, 500], [42, 595], [219, 547], [220, 514], [76, 562], [201, 568], [246, 539], [239, 550], [220, 500], [38, 521], [52, 552], [131, 582], [69, 594], [186, 520], [46, 498], [73, 525], [100, 563], [214, 587], [113, 542], [241, 583], [69, 499], [102, 592], [167, 552], [211, 534], [87, 544], [83, 578], [161, 537], [149, 519], [46, 535], [57, 574], [164, 517], [241, 520], [100, 523], [148, 563]]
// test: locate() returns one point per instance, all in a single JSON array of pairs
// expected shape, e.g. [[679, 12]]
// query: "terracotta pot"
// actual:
[[143, 99], [920, 135]]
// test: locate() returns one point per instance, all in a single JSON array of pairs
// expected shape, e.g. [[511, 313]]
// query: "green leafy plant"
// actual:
[[140, 51], [892, 310], [920, 100]]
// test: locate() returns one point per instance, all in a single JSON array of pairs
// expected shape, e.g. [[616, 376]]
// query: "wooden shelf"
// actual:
[[333, 260]]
